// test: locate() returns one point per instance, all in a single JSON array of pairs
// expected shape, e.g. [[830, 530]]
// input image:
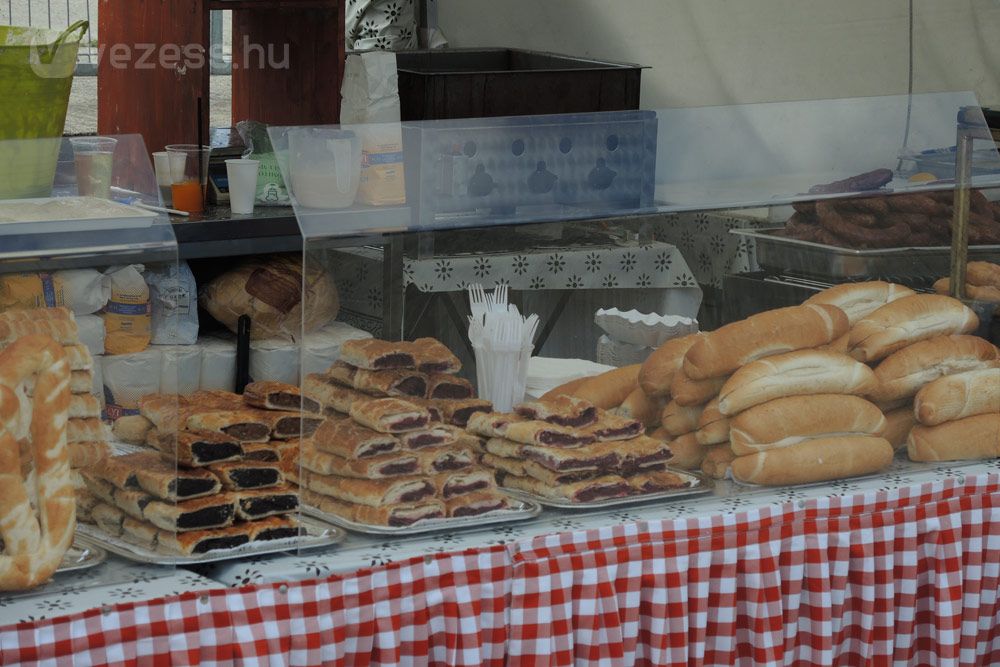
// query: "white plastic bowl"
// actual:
[[642, 329]]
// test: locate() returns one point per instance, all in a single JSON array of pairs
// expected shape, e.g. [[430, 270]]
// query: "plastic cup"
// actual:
[[164, 179], [188, 175], [242, 184], [94, 160]]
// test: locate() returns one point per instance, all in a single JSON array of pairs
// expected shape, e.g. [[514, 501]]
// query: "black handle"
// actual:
[[242, 353]]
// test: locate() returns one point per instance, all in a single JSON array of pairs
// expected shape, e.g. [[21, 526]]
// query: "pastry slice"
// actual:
[[543, 433], [140, 532], [332, 396], [397, 382], [101, 489], [163, 479], [444, 386], [108, 518], [260, 452], [374, 354], [432, 407], [327, 504], [655, 482], [243, 425], [505, 448], [272, 395], [643, 453], [373, 467], [78, 357], [431, 356], [163, 410], [88, 454], [253, 505], [215, 399], [373, 492], [84, 406], [613, 427], [445, 459], [504, 464], [454, 484], [458, 412], [342, 373], [285, 424], [585, 491], [242, 475], [474, 504], [390, 415], [400, 514], [86, 430], [350, 440], [492, 424], [212, 512], [562, 410], [202, 541], [274, 528], [61, 330], [80, 382], [195, 448], [553, 478], [115, 470], [603, 456], [432, 437]]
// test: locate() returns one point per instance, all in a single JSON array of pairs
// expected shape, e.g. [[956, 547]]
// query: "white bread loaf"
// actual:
[[687, 453], [977, 292], [817, 460], [637, 405], [970, 438], [609, 390], [842, 344], [898, 423], [859, 299], [903, 373], [958, 396], [795, 374], [772, 332], [983, 274], [713, 426], [909, 320], [793, 419], [718, 459], [658, 370], [676, 419], [690, 392]]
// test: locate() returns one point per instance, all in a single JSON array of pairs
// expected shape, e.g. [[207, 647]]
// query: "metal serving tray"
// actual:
[[318, 534], [700, 485], [526, 509], [82, 555], [786, 255], [55, 215]]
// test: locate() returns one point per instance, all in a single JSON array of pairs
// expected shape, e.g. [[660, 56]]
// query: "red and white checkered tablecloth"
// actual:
[[907, 577]]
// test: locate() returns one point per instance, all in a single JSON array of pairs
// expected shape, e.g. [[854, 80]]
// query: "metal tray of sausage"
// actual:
[[782, 254]]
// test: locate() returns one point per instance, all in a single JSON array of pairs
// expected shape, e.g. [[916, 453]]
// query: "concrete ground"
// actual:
[[82, 115]]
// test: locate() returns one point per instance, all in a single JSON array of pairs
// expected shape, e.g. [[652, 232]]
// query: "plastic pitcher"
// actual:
[[36, 75], [324, 165]]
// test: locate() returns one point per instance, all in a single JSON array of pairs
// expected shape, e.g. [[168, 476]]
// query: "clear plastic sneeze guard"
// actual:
[[576, 256]]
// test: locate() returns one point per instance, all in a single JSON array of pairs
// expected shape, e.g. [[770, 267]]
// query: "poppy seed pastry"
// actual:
[[240, 475], [261, 503], [272, 395]]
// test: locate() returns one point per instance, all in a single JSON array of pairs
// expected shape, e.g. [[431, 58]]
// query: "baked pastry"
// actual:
[[390, 415], [566, 388], [271, 395], [350, 440], [243, 425], [957, 396], [435, 460], [794, 374], [816, 460], [978, 292], [285, 425], [907, 321], [687, 452], [898, 424], [609, 389], [133, 429], [597, 457], [771, 332], [62, 331], [713, 426], [86, 406], [792, 419], [374, 492], [203, 541], [475, 504], [196, 448], [432, 356], [657, 372], [452, 484], [858, 300], [78, 357], [34, 542], [677, 419], [657, 482], [445, 386], [108, 518], [610, 426], [210, 512], [261, 503], [148, 472], [688, 393], [374, 354], [401, 514], [163, 410], [718, 460], [343, 373], [458, 412], [902, 374], [373, 467], [643, 454], [432, 437], [274, 528], [589, 490], [334, 398], [969, 438], [241, 475], [509, 466], [563, 410], [207, 400], [642, 408], [516, 428], [86, 430], [87, 454]]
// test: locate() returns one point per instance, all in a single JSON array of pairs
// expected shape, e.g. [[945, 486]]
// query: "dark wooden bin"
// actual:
[[486, 83]]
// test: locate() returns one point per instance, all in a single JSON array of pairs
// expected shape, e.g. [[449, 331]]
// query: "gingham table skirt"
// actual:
[[908, 577]]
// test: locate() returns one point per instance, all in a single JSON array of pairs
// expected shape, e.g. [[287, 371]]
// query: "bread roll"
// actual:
[[638, 405], [795, 374], [983, 274], [677, 419], [690, 392], [772, 332], [958, 396], [860, 299], [976, 437], [713, 426], [977, 292], [816, 460], [718, 459], [566, 389], [609, 390], [909, 320], [903, 373], [790, 420], [132, 429], [842, 344], [688, 454], [658, 370], [898, 423]]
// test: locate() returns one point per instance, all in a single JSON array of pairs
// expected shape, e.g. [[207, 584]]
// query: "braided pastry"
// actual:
[[34, 544]]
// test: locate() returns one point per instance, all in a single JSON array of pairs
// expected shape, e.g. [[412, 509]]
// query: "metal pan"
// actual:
[[318, 534], [525, 509], [700, 485]]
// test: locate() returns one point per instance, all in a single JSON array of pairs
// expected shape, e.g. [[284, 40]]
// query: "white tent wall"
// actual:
[[714, 52]]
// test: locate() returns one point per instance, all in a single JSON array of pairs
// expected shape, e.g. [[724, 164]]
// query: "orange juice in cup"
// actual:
[[187, 196], [188, 175]]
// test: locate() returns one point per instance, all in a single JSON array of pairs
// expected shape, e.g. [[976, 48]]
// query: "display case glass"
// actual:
[[601, 242]]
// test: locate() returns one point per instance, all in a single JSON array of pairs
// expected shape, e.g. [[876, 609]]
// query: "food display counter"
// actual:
[[497, 473]]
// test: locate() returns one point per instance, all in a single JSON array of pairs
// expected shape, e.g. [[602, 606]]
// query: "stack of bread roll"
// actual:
[[982, 282], [959, 417]]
